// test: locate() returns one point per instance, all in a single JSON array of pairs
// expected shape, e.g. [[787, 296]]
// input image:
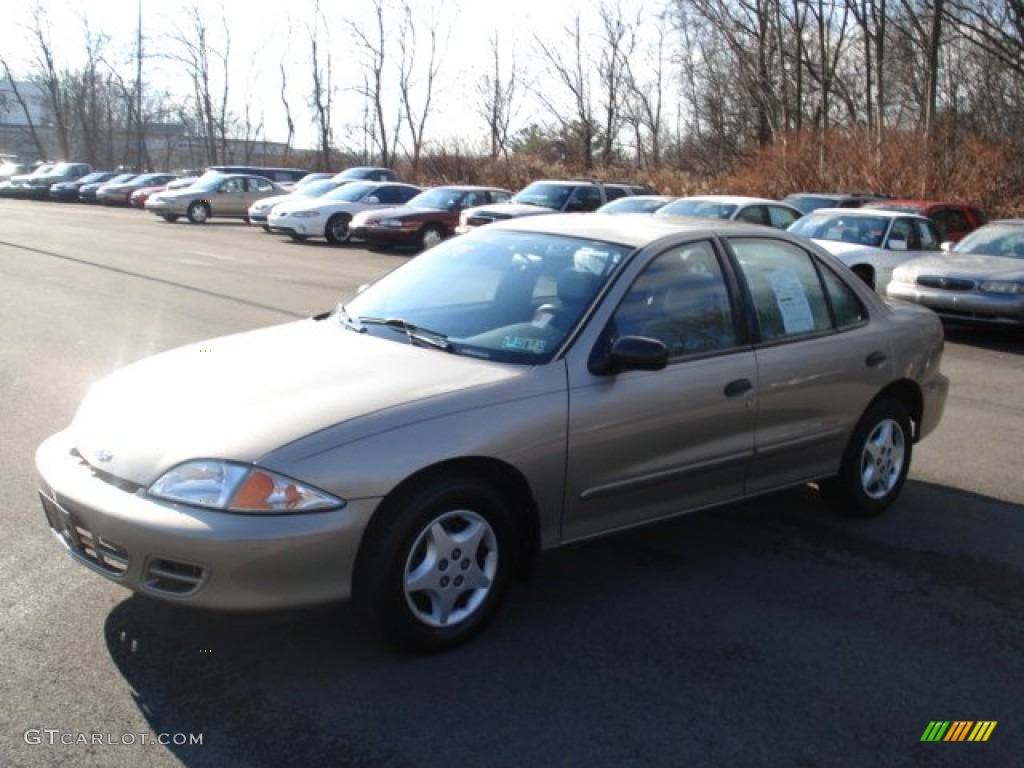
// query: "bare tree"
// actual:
[[194, 49], [322, 95], [645, 99], [372, 48], [496, 103], [578, 124], [416, 84], [617, 47]]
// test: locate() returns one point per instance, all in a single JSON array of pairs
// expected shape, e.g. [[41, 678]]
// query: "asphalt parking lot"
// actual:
[[771, 633]]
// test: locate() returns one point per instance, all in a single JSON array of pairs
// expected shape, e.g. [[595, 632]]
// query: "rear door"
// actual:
[[820, 360]]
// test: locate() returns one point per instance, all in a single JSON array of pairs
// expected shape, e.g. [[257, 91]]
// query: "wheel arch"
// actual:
[[509, 482], [909, 394]]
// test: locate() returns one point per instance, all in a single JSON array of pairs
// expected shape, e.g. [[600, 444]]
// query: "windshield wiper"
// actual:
[[413, 332], [350, 322]]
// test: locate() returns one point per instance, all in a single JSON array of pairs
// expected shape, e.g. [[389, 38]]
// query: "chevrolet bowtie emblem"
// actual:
[[104, 457]]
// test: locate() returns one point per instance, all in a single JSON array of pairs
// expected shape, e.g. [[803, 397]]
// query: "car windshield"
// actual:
[[350, 193], [994, 240], [438, 199], [708, 209], [543, 194], [504, 296], [121, 178], [635, 205], [90, 178], [207, 183], [842, 227], [149, 178], [316, 188]]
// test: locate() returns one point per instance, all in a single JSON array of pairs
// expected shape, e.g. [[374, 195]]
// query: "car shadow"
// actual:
[[997, 339], [670, 644]]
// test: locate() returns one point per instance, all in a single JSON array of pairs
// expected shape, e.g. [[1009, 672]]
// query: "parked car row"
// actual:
[[903, 249]]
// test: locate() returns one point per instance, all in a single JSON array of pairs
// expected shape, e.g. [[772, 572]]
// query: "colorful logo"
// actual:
[[958, 730]]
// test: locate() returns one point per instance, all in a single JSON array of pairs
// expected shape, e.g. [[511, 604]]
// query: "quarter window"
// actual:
[[681, 300]]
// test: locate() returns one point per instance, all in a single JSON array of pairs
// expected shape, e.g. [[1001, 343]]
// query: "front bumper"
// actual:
[[201, 557], [963, 306], [301, 227]]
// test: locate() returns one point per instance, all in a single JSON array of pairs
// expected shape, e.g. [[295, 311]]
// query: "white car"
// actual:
[[871, 242], [329, 215], [259, 212]]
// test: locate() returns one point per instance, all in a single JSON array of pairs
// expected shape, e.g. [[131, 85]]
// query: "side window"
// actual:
[[928, 237], [391, 194], [259, 185], [755, 214], [231, 186], [781, 218], [613, 193], [499, 197], [902, 236], [846, 307], [680, 299], [585, 199], [788, 296]]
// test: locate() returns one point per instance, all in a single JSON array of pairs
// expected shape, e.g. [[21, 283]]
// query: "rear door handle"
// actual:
[[876, 359], [738, 388]]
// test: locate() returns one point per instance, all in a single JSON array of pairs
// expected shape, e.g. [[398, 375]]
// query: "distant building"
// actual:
[[12, 113]]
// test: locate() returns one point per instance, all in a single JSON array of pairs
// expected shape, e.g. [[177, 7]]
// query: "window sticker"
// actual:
[[791, 301], [523, 344]]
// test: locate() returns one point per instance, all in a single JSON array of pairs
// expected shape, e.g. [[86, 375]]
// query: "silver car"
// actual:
[[213, 195], [978, 280], [534, 383]]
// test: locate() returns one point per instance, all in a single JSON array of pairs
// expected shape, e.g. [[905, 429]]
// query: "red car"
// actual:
[[426, 219], [954, 220]]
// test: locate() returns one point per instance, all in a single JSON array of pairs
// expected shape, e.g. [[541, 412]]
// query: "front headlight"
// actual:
[[1001, 286], [233, 487], [902, 276], [306, 214]]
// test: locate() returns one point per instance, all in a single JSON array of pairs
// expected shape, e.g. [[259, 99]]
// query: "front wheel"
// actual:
[[436, 563], [337, 231], [875, 464], [430, 236], [198, 212]]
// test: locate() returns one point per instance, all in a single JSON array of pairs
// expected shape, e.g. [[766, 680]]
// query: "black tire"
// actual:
[[436, 563], [198, 212], [875, 463], [171, 217], [337, 231], [430, 236]]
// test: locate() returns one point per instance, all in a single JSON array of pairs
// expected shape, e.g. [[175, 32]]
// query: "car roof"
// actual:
[[735, 199], [633, 229], [865, 212], [920, 203]]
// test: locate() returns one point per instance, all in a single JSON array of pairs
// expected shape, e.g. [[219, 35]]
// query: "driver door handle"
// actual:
[[738, 388]]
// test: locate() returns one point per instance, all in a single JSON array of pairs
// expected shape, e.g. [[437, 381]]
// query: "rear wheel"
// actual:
[[436, 563], [198, 212], [337, 231], [875, 463]]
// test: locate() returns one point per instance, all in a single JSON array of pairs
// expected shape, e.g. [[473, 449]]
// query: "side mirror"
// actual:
[[631, 353], [947, 246], [897, 245], [372, 200]]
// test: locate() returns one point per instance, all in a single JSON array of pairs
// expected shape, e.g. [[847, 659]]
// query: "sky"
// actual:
[[260, 41]]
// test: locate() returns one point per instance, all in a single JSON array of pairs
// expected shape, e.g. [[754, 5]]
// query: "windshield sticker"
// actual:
[[523, 344], [791, 301]]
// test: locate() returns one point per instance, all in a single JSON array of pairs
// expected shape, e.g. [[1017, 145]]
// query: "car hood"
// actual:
[[398, 212], [270, 202], [509, 210], [316, 204], [240, 397], [968, 265]]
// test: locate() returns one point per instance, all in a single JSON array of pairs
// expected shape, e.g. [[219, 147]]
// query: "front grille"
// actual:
[[173, 577], [118, 482], [945, 283]]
